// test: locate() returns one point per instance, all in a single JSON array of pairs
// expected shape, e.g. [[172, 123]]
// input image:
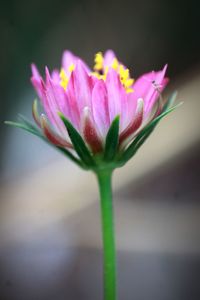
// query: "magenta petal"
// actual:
[[82, 86], [55, 75], [115, 94], [109, 57], [37, 81], [52, 136], [74, 113], [135, 124], [129, 110], [54, 103], [149, 86], [35, 72], [90, 133], [100, 107], [68, 59]]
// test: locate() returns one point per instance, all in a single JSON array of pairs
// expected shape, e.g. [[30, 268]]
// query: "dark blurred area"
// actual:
[[44, 253]]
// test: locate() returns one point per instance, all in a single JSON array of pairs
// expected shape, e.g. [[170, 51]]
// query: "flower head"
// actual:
[[103, 108]]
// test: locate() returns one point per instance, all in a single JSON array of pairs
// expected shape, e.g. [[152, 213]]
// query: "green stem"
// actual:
[[109, 251]]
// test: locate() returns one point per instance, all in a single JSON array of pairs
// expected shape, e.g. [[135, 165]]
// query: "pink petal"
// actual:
[[116, 95], [149, 86], [100, 107], [69, 58], [82, 86], [35, 72], [109, 57], [55, 102], [55, 75], [135, 124], [90, 133], [74, 113], [37, 81], [129, 110]]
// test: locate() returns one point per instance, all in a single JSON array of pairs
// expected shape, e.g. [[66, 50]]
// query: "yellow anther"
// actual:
[[98, 60], [124, 73], [128, 82], [64, 79], [129, 91], [115, 64], [71, 68], [100, 76], [125, 79]]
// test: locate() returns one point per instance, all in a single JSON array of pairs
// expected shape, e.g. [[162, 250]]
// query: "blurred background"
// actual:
[[50, 238]]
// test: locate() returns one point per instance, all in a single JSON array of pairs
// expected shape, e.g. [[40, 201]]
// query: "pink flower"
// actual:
[[91, 99]]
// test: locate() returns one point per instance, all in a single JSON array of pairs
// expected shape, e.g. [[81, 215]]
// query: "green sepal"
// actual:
[[31, 128], [27, 127], [112, 140], [78, 143], [142, 136]]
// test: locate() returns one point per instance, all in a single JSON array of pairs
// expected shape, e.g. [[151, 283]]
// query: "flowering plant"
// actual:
[[99, 119]]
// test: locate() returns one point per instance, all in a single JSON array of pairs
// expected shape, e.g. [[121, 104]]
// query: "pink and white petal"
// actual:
[[68, 59], [60, 96], [52, 105], [159, 83], [129, 109], [82, 86], [35, 72], [100, 108], [109, 57], [149, 86], [37, 81], [135, 123], [55, 75], [53, 137], [115, 94], [90, 133], [74, 113]]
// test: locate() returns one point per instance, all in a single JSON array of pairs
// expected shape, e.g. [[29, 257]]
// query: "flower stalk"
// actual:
[[109, 250]]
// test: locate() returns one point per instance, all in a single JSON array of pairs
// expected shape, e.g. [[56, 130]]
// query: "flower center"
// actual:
[[100, 71]]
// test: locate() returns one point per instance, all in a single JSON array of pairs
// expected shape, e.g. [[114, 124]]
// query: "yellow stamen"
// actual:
[[115, 64], [124, 73], [129, 91], [71, 68], [98, 60], [63, 76], [100, 76], [128, 82], [64, 79], [125, 79]]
